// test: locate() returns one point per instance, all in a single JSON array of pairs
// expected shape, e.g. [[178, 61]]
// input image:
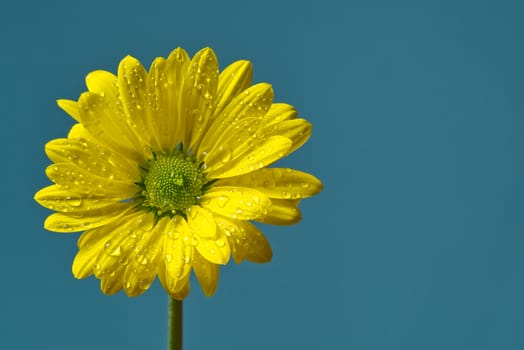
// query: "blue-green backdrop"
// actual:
[[417, 239]]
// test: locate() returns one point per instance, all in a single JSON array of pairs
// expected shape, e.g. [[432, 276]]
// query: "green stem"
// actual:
[[175, 324]]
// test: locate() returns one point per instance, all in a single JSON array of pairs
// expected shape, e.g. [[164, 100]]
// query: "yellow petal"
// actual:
[[198, 94], [70, 107], [113, 283], [158, 94], [79, 132], [216, 250], [249, 159], [281, 183], [85, 259], [201, 222], [60, 222], [132, 84], [236, 202], [106, 249], [176, 68], [207, 274], [93, 158], [105, 120], [297, 130], [71, 177], [282, 212], [246, 240], [184, 285], [125, 244], [143, 263], [103, 83], [178, 254], [234, 79], [56, 198], [279, 112], [238, 122]]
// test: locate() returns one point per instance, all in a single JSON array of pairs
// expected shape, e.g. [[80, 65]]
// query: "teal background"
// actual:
[[416, 241]]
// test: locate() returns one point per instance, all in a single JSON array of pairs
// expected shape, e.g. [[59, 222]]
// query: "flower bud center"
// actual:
[[172, 184]]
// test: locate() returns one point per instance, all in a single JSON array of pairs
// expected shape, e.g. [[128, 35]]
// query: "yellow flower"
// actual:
[[166, 169]]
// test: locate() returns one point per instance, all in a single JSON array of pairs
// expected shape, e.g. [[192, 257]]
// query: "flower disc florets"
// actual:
[[172, 183]]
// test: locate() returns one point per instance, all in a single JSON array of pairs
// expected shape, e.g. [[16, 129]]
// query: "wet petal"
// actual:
[[234, 79], [297, 130], [71, 177], [161, 108], [279, 112], [178, 254], [216, 250], [183, 286], [201, 222], [236, 202], [246, 240], [198, 95], [61, 222], [56, 198], [176, 68], [105, 120], [238, 122], [245, 160], [207, 274], [144, 260], [85, 259], [281, 183], [103, 83], [282, 212], [132, 83], [107, 249], [93, 158], [112, 283]]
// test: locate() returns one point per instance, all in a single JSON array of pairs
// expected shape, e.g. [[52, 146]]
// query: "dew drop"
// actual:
[[222, 201], [173, 234], [144, 284], [124, 261], [220, 243], [116, 252]]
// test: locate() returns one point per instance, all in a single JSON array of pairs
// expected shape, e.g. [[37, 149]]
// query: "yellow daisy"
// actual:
[[166, 169]]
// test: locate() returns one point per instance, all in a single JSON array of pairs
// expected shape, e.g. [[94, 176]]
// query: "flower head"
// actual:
[[166, 169]]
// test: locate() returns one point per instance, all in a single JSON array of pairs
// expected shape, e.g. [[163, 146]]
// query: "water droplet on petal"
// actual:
[[286, 195], [173, 234], [220, 243], [222, 201]]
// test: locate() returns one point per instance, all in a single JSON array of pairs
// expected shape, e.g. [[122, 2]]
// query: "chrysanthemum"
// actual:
[[166, 169]]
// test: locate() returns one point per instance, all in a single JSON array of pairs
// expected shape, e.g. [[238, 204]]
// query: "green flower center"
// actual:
[[172, 184]]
